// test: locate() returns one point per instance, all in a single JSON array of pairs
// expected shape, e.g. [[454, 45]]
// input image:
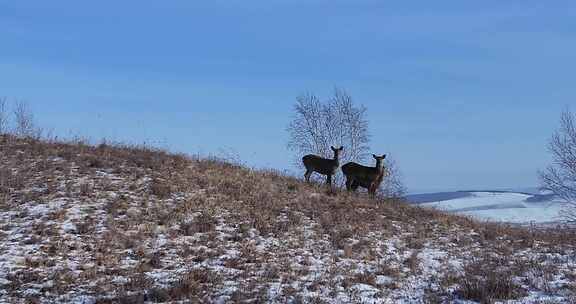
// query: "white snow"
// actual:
[[502, 207], [98, 246]]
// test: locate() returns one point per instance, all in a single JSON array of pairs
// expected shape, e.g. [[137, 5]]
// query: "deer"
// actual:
[[324, 166], [365, 177]]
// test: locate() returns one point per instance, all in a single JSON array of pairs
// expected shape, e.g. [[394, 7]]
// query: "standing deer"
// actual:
[[365, 177], [324, 166]]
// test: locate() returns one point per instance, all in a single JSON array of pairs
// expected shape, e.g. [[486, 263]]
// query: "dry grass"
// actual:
[[147, 225], [487, 280]]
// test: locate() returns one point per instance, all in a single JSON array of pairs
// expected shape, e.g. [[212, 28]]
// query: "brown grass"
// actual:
[[491, 287], [205, 206]]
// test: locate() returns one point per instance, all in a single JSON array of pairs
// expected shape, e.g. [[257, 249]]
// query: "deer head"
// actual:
[[379, 161], [337, 151]]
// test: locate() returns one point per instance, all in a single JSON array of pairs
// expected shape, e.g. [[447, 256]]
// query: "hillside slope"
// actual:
[[81, 224]]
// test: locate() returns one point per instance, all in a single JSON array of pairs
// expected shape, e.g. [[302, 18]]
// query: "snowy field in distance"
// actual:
[[500, 206]]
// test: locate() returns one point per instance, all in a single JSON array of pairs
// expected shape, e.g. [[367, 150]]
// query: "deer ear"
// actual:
[[332, 147], [341, 148], [374, 155], [383, 156]]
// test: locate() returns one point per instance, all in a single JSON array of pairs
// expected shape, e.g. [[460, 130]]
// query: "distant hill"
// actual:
[[496, 205], [436, 197]]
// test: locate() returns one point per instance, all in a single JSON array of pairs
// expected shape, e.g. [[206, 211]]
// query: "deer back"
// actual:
[[320, 164], [359, 172]]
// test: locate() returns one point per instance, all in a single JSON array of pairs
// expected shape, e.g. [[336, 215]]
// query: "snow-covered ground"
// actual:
[[497, 206], [98, 225]]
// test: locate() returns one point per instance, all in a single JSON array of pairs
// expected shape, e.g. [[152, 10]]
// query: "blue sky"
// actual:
[[463, 94]]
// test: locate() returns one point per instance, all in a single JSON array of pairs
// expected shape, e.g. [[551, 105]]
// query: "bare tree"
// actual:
[[392, 185], [3, 115], [24, 120], [338, 121], [317, 125], [560, 177]]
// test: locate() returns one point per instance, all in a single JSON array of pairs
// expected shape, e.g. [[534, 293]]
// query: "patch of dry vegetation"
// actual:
[[122, 224]]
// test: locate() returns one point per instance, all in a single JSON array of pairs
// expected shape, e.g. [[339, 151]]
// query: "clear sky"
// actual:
[[464, 94]]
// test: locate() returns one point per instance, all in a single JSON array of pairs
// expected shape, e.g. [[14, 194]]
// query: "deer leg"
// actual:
[[329, 180], [307, 175], [372, 189], [354, 186], [349, 184]]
